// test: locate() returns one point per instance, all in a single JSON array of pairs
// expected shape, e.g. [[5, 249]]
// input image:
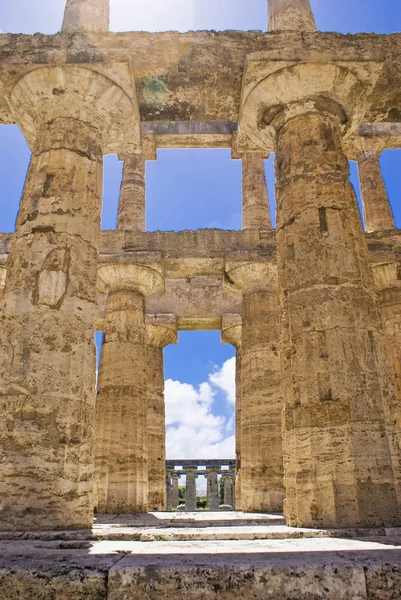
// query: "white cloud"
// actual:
[[224, 378], [193, 431]]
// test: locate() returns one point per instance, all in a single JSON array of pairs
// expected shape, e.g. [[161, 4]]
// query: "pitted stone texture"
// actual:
[[213, 499], [121, 408], [161, 330], [47, 355], [87, 15], [132, 207], [291, 15], [255, 199], [338, 462]]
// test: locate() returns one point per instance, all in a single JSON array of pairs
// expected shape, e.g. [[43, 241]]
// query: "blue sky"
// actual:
[[189, 189]]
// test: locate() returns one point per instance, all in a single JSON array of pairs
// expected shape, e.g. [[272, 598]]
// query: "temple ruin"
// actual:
[[312, 306]]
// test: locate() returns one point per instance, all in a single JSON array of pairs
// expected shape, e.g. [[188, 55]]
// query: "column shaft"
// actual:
[[377, 211], [262, 487], [121, 452], [175, 496], [213, 497], [168, 489], [337, 457], [255, 199], [156, 427], [132, 205], [228, 490], [47, 354], [89, 15], [238, 427], [291, 15], [190, 489]]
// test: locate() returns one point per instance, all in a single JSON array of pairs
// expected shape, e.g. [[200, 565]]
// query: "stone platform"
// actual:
[[200, 556]]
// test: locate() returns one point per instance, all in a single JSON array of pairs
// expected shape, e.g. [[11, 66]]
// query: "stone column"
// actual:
[[88, 15], [338, 460], [161, 330], [228, 482], [190, 488], [377, 212], [47, 353], [213, 496], [262, 487], [255, 199], [132, 205], [169, 472], [291, 15], [175, 496], [232, 334], [121, 456]]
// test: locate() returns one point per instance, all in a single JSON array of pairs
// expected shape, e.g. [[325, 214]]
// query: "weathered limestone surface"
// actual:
[[337, 457], [161, 330], [190, 488], [47, 355], [291, 14], [255, 199], [262, 484], [228, 483], [213, 499], [87, 15], [231, 333], [175, 498], [122, 458], [132, 208]]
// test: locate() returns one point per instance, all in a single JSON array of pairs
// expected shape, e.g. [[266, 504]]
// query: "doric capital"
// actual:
[[146, 279], [70, 93], [231, 330], [249, 276], [161, 330], [360, 147], [275, 92], [3, 274]]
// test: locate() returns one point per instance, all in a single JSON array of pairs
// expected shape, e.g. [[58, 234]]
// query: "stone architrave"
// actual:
[[377, 212], [190, 488], [92, 16], [47, 354], [291, 15], [262, 486], [213, 496], [231, 333], [255, 198], [132, 204], [341, 469], [161, 330], [175, 497], [121, 454]]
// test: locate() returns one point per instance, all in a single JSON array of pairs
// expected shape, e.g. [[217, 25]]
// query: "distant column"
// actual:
[[255, 198], [88, 15], [213, 500], [377, 212], [190, 489], [228, 482], [175, 495], [291, 15], [168, 489], [132, 204]]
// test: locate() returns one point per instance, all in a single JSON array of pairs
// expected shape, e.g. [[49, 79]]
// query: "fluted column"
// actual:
[[161, 330], [88, 15], [377, 212], [291, 15], [47, 354], [175, 496], [213, 499], [169, 472], [262, 487], [338, 459], [255, 199], [231, 333], [228, 482], [190, 488], [121, 457], [132, 204]]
